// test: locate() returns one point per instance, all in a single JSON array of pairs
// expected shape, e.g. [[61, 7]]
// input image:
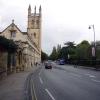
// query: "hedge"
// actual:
[[7, 44]]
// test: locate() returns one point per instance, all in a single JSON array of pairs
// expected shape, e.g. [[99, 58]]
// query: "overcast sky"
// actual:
[[62, 20]]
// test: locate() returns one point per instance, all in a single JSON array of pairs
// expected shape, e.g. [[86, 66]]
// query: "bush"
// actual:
[[7, 44]]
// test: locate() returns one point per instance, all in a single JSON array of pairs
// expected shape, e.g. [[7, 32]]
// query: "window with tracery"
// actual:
[[37, 23], [33, 22], [13, 34], [34, 34]]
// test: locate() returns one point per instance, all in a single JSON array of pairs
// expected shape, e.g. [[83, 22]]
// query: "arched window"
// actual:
[[33, 22], [13, 34], [34, 34], [37, 23]]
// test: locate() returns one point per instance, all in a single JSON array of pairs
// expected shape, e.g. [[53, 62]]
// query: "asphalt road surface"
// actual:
[[66, 83]]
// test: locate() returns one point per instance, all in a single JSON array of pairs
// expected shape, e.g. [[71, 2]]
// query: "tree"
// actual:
[[70, 49], [9, 45], [44, 56], [53, 55], [83, 50], [97, 49], [70, 44], [64, 53], [58, 51]]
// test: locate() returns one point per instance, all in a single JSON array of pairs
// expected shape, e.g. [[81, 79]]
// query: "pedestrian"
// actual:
[[75, 64], [36, 63]]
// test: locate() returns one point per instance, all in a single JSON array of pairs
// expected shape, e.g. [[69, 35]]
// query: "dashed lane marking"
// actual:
[[98, 81], [49, 94], [75, 75], [41, 80], [40, 72], [90, 75]]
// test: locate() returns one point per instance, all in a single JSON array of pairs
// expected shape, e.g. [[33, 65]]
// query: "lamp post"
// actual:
[[94, 44]]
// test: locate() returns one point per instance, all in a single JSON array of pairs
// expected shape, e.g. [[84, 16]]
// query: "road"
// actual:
[[66, 83]]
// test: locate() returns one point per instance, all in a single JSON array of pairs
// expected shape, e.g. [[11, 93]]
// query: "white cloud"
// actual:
[[0, 18]]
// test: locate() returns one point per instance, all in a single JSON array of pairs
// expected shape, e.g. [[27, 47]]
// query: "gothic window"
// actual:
[[13, 34], [37, 23], [33, 23], [34, 34]]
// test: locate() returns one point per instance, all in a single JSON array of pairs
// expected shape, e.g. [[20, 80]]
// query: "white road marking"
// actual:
[[64, 71], [40, 72], [49, 94], [95, 80], [41, 80], [90, 75], [75, 75], [34, 91]]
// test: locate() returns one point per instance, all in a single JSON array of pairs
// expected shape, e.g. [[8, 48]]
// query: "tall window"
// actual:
[[33, 23], [34, 35], [37, 23], [13, 34]]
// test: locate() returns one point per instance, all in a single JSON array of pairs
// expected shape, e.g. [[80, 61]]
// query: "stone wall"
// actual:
[[3, 64]]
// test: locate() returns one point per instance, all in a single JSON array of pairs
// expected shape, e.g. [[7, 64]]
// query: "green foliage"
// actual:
[[81, 53], [82, 50], [58, 51], [7, 44], [53, 55], [70, 49], [70, 44], [44, 56], [98, 49], [64, 52]]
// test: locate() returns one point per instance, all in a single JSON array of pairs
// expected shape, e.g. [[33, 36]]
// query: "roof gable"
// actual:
[[11, 27], [19, 35]]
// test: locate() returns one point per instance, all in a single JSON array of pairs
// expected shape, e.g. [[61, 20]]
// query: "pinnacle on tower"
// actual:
[[40, 8], [12, 25], [29, 8], [12, 20], [35, 10]]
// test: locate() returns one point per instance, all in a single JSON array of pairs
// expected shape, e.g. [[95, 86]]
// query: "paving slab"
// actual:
[[12, 87]]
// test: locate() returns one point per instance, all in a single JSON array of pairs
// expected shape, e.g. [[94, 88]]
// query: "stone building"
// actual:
[[8, 50], [28, 43]]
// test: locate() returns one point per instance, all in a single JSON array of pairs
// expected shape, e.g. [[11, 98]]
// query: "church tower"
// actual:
[[34, 26]]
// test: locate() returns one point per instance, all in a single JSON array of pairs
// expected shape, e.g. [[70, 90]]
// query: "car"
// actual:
[[48, 65], [61, 62]]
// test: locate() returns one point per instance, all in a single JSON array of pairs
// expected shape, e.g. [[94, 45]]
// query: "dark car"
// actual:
[[48, 65]]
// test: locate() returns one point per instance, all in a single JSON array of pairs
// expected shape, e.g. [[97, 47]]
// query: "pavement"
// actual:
[[12, 87]]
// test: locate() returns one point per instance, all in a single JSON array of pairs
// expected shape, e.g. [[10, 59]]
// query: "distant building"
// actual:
[[29, 43]]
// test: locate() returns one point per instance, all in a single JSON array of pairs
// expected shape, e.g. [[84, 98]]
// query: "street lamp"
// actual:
[[94, 44], [68, 56]]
